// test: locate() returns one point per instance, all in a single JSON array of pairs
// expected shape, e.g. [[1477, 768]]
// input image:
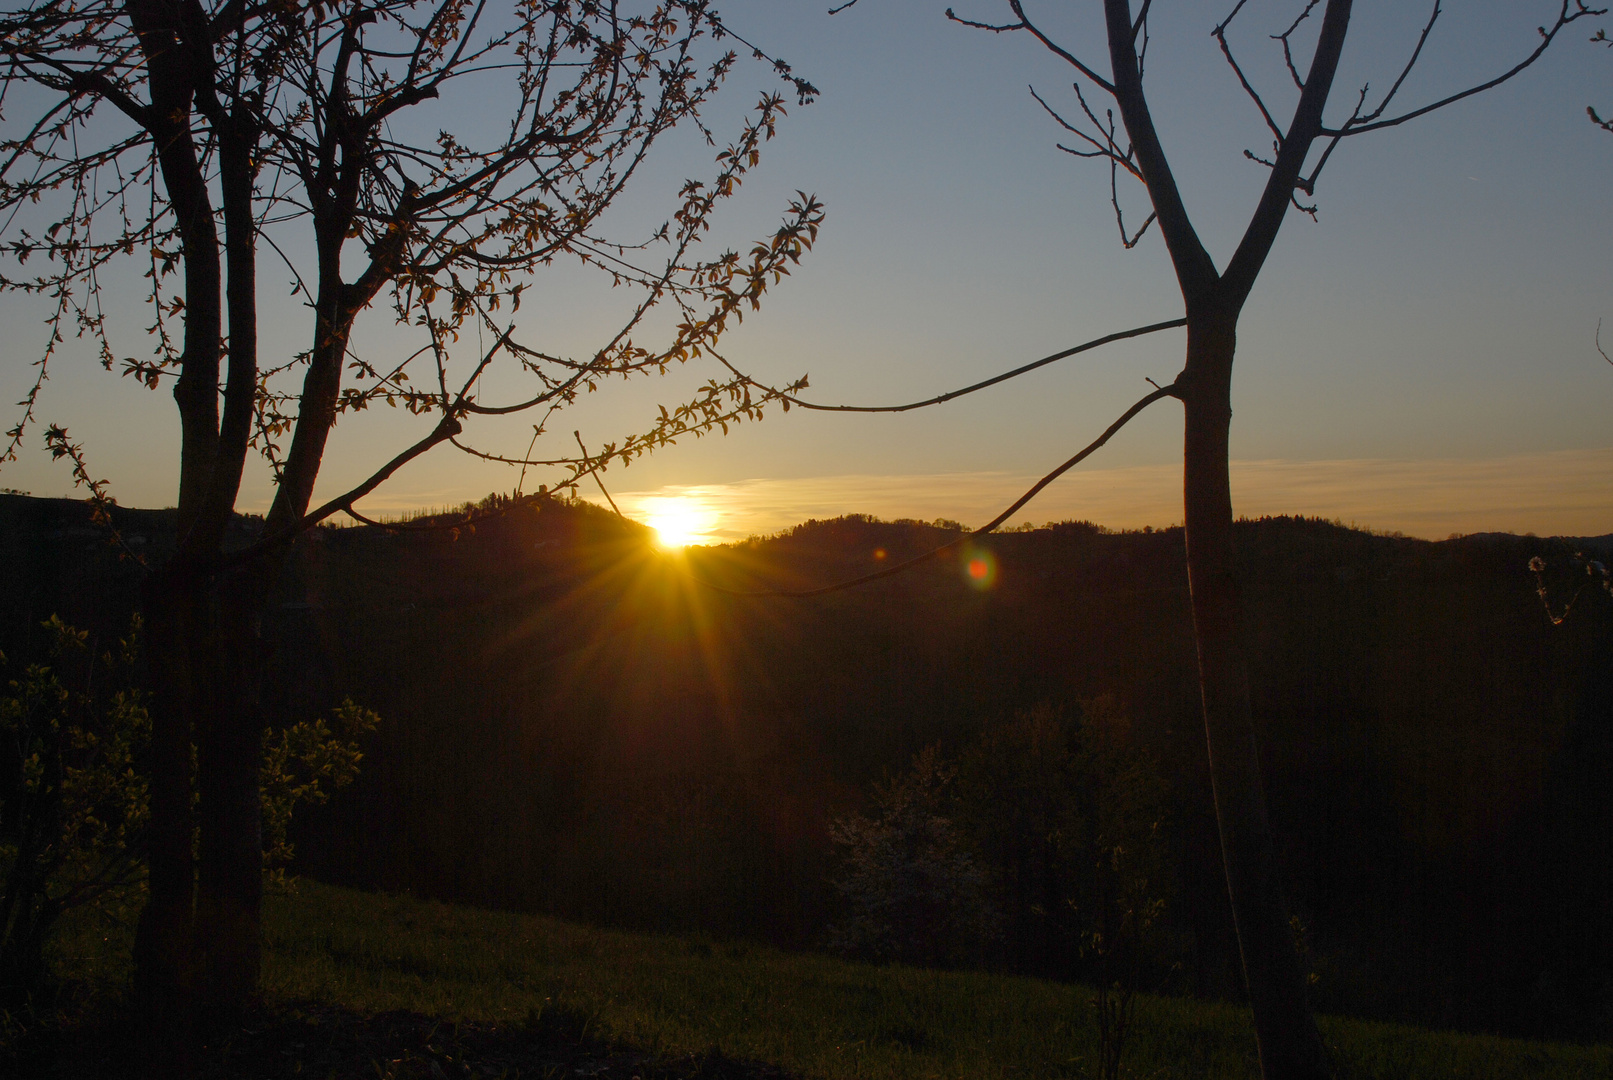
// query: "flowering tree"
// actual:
[[184, 138]]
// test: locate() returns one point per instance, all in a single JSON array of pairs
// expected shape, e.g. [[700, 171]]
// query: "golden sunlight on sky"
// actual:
[[1562, 493], [1421, 355], [679, 519]]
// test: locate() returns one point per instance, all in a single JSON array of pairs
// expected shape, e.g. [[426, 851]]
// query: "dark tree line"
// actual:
[[614, 745], [571, 728]]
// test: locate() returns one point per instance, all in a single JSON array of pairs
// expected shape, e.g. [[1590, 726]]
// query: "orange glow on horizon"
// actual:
[[680, 521]]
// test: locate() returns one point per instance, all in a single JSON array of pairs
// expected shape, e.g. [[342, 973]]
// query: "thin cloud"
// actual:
[[1561, 493]]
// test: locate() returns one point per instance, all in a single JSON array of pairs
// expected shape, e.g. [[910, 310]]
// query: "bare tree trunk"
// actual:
[[230, 869], [1290, 1045], [176, 598], [230, 732], [198, 944], [164, 941]]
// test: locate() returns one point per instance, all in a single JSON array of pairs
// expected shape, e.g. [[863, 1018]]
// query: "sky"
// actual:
[[1420, 358]]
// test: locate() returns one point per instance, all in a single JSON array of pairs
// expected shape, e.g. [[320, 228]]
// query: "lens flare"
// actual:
[[980, 568]]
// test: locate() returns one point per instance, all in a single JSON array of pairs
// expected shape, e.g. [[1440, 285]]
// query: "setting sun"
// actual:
[[680, 522]]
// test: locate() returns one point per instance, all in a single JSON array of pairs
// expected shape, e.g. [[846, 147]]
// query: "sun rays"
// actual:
[[680, 521]]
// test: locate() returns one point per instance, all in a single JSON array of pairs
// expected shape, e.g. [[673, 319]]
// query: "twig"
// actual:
[[1546, 36], [101, 504], [595, 470]]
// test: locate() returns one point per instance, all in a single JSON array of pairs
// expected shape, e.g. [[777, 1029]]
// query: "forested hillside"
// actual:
[[573, 723]]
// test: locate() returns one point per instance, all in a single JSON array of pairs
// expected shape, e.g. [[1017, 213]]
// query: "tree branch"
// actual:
[[1564, 18], [1059, 50], [1108, 148], [1295, 145], [1220, 35], [1283, 38], [445, 430], [994, 380], [1422, 39], [1195, 270], [1036, 489], [93, 82]]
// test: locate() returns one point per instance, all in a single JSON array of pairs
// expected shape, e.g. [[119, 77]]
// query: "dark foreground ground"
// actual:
[[361, 984], [309, 1039]]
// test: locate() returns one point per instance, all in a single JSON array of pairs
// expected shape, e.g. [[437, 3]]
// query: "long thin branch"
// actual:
[[1131, 241], [594, 470], [1422, 39], [1109, 148], [889, 571], [995, 28], [995, 379], [1140, 23], [1285, 39]]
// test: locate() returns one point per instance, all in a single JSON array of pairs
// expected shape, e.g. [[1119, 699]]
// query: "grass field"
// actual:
[[810, 1015]]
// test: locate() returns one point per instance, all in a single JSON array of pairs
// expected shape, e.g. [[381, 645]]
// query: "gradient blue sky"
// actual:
[[1420, 358]]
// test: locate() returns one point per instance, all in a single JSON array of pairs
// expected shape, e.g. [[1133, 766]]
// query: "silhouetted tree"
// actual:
[[189, 136], [1601, 38], [1214, 298]]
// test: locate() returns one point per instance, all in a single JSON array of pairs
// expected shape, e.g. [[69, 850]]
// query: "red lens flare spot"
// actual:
[[979, 568], [879, 554]]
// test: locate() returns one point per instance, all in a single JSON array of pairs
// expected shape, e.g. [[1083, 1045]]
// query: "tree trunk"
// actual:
[[229, 734], [229, 813], [1290, 1045], [175, 601], [164, 937]]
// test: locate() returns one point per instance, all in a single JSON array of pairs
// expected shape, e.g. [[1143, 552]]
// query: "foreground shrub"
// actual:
[[910, 891], [74, 802]]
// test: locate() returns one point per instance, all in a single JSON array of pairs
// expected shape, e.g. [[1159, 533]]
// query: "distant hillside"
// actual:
[[574, 724]]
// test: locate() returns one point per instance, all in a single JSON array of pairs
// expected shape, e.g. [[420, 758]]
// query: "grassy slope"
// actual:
[[809, 1014]]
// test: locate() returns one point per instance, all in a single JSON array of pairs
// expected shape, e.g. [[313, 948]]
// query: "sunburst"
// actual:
[[679, 521]]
